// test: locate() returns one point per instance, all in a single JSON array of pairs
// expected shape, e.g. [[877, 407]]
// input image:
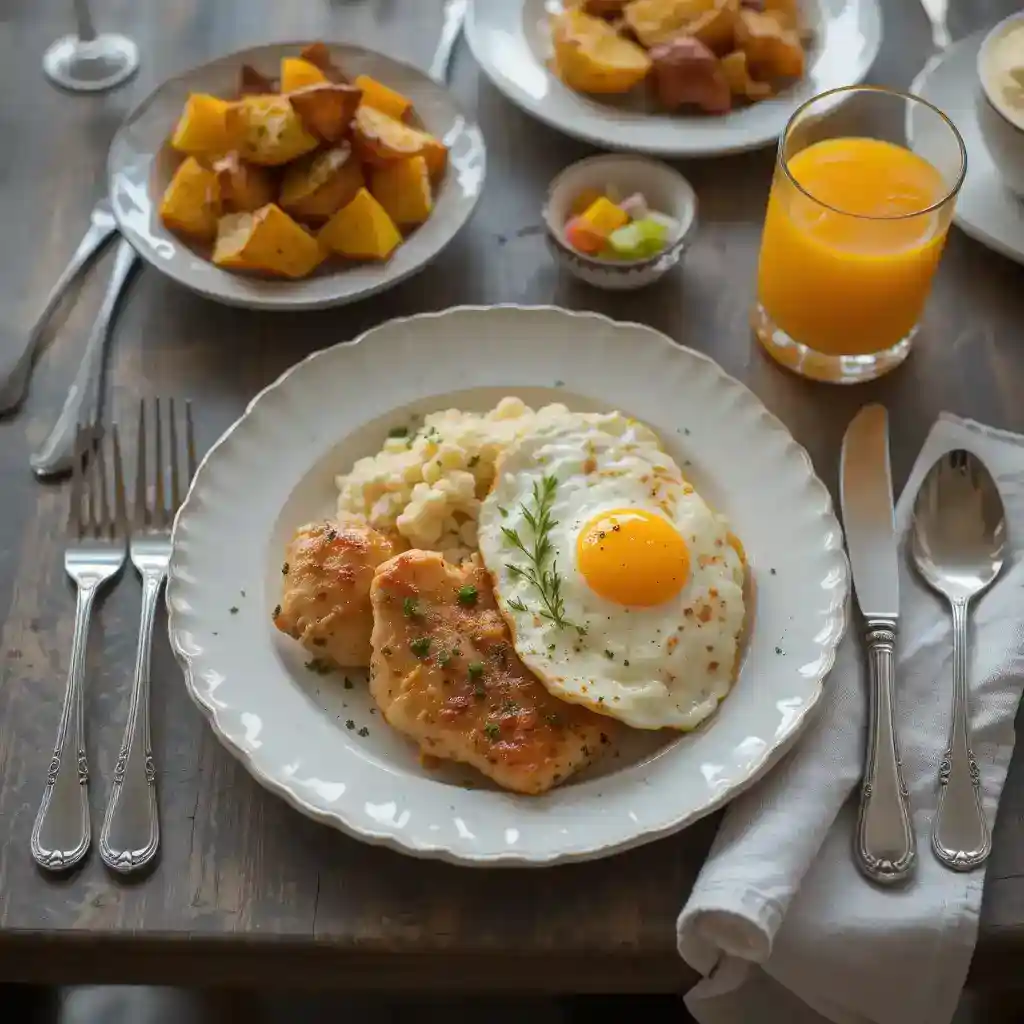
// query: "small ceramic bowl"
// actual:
[[665, 190], [1004, 139]]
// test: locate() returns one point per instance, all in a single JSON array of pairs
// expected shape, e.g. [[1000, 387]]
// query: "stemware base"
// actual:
[[79, 65]]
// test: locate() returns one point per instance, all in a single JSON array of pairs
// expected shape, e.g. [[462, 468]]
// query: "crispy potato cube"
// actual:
[[661, 21], [716, 28], [297, 73], [591, 57], [435, 152], [361, 230], [403, 189], [317, 186], [266, 240], [772, 51], [192, 204], [243, 187], [737, 74], [319, 56], [269, 131], [205, 128], [380, 139], [380, 97], [326, 110]]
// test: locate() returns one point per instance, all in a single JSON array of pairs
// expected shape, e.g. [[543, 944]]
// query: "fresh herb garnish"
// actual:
[[475, 669], [364, 732], [233, 609], [546, 580], [503, 511], [277, 610], [350, 724], [443, 658], [480, 692], [420, 646], [398, 432], [319, 666], [284, 569], [493, 730], [473, 462], [410, 607], [348, 683], [467, 594]]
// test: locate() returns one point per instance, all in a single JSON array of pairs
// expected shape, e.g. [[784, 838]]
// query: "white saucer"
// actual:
[[986, 209]]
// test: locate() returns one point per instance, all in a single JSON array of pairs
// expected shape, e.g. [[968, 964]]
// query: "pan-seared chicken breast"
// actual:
[[444, 673], [325, 600]]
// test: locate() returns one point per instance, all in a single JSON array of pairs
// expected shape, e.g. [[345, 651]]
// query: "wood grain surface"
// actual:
[[247, 891]]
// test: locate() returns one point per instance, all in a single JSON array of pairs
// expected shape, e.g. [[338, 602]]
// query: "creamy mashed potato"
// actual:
[[426, 485]]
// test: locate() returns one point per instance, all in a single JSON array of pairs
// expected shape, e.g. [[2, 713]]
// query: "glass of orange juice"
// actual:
[[855, 227]]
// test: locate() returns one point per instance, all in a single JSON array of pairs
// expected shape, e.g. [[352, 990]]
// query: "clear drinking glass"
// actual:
[[855, 227], [87, 61]]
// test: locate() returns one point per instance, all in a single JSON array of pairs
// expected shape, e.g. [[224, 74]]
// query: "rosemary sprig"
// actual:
[[547, 581]]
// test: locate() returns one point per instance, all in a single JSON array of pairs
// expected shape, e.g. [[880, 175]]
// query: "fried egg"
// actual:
[[622, 588]]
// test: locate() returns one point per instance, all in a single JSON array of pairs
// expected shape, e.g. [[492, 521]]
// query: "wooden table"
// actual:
[[248, 891]]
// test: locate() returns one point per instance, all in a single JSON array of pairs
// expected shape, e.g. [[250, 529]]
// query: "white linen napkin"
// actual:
[[780, 922]]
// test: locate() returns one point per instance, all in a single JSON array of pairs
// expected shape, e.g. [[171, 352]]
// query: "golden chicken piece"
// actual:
[[325, 599], [444, 673]]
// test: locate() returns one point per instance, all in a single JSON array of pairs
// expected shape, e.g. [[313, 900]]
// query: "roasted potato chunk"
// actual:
[[380, 97], [403, 189], [592, 57], [319, 185], [243, 187], [297, 73], [319, 56], [362, 230], [379, 139], [716, 28], [326, 110], [266, 240], [192, 203], [206, 128], [605, 8], [269, 131], [660, 21], [772, 51], [734, 67], [253, 83], [686, 73]]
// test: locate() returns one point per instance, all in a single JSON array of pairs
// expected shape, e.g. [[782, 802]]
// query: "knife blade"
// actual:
[[885, 847]]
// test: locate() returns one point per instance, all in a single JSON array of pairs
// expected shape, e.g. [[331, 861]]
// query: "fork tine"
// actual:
[[190, 441], [141, 511], [102, 503], [172, 444], [120, 524], [75, 501], [160, 509]]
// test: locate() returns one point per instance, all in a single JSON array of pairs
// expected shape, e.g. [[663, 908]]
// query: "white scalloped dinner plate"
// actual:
[[511, 42], [318, 742]]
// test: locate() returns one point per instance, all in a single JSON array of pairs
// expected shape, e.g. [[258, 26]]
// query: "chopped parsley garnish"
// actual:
[[467, 594], [479, 691], [398, 432], [348, 683], [277, 610], [609, 655], [503, 512], [363, 732], [473, 462], [493, 730], [319, 666], [476, 669], [233, 609], [410, 607], [284, 569], [420, 646], [350, 724], [443, 658]]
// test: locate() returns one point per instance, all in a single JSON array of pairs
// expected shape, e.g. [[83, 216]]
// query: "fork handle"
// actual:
[[130, 835], [61, 833]]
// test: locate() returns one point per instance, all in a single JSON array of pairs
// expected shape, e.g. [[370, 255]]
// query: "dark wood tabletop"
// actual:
[[247, 891]]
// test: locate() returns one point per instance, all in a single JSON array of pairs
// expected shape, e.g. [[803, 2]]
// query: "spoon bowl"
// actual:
[[958, 543]]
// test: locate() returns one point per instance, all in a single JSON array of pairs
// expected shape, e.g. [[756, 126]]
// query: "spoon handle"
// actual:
[[960, 835], [885, 845]]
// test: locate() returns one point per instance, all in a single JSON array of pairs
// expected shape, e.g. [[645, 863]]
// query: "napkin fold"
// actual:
[[780, 923]]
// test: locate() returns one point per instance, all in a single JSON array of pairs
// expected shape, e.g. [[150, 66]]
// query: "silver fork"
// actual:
[[130, 836], [95, 554]]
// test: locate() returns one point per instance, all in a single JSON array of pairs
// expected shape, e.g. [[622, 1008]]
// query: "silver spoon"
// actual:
[[958, 541]]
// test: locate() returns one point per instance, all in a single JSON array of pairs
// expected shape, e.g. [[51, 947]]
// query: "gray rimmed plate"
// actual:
[[141, 163]]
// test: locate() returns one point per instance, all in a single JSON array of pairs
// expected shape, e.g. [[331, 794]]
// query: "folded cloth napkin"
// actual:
[[780, 922]]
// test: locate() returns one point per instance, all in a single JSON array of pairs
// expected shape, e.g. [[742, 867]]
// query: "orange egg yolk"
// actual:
[[631, 556]]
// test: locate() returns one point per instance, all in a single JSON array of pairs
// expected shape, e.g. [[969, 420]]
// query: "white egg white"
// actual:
[[662, 666]]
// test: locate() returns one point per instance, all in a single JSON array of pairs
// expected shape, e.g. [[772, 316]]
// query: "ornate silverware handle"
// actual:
[[130, 835], [61, 833], [885, 845], [14, 377], [82, 403], [454, 15], [960, 833]]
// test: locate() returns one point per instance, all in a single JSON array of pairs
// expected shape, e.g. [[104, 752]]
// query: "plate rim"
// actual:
[[837, 617], [577, 129], [285, 301]]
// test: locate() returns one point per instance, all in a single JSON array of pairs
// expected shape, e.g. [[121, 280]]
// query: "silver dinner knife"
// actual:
[[884, 845], [82, 405]]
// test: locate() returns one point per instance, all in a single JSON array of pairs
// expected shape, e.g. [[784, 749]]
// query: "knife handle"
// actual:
[[885, 845]]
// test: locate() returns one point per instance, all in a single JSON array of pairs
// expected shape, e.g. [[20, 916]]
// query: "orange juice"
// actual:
[[846, 263]]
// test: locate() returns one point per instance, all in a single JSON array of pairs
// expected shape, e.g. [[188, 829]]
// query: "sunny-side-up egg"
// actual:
[[622, 588]]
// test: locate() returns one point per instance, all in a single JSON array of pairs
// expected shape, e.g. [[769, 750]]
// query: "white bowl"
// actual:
[[666, 191], [1003, 138]]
